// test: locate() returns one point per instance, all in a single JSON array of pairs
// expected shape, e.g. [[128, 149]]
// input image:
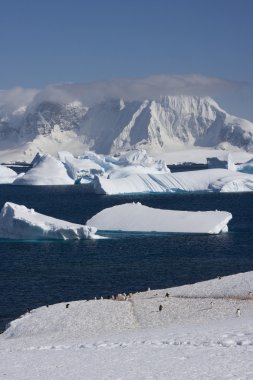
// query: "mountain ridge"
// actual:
[[115, 125]]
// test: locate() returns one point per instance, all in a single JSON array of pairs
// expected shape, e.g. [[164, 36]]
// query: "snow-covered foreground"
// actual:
[[134, 217], [19, 222], [203, 331]]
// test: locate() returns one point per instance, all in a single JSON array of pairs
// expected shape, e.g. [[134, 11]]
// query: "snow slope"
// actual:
[[197, 335], [19, 222], [136, 217]]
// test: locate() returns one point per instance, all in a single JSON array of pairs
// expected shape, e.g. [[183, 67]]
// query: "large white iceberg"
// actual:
[[80, 169], [46, 170], [134, 217], [19, 222], [135, 162], [68, 170], [199, 180]]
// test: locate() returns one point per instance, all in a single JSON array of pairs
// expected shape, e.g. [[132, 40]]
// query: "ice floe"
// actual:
[[19, 222], [135, 217]]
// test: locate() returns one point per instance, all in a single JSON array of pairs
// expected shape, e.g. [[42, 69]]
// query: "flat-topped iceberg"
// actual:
[[199, 180], [19, 222], [134, 217]]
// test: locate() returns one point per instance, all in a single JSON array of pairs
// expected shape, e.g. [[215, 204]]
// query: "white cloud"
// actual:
[[130, 89], [16, 97], [147, 88]]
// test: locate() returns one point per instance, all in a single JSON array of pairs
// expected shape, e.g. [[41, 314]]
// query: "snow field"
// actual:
[[196, 335]]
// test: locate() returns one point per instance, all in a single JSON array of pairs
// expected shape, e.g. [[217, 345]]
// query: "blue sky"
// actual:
[[58, 41]]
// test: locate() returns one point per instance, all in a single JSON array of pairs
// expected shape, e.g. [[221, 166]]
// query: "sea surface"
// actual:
[[38, 273]]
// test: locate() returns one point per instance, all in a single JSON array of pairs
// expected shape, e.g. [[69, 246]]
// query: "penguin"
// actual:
[[28, 310], [67, 306], [167, 295], [238, 312], [160, 308]]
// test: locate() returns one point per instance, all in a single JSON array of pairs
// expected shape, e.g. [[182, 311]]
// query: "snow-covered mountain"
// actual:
[[115, 125]]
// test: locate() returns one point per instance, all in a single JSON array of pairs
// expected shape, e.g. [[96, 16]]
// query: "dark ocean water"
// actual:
[[36, 273]]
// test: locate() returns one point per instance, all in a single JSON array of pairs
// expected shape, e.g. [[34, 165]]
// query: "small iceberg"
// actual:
[[19, 222], [135, 217]]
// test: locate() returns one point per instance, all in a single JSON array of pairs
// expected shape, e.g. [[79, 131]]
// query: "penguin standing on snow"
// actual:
[[160, 308], [238, 312]]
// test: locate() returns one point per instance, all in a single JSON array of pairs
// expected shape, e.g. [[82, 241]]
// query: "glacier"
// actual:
[[135, 217], [19, 222]]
